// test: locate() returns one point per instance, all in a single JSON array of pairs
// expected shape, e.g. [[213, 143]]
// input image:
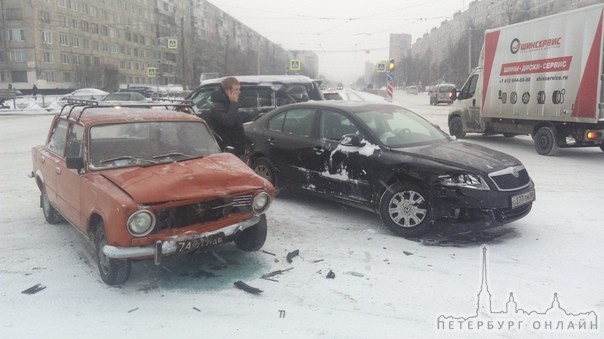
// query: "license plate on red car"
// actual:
[[524, 198], [199, 243]]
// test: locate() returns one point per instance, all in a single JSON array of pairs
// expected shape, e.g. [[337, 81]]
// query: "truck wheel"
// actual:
[[112, 271], [545, 141], [404, 208], [51, 215], [252, 238], [265, 169], [456, 128]]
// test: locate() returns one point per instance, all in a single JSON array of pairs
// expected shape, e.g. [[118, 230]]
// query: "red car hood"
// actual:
[[212, 176]]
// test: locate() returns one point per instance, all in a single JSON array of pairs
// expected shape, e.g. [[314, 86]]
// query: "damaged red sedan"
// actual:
[[147, 183]]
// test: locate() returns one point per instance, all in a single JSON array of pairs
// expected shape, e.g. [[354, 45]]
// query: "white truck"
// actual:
[[542, 77]]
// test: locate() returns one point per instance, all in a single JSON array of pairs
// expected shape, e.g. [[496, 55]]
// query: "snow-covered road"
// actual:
[[384, 286]]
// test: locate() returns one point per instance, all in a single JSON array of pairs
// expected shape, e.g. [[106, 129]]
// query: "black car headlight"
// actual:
[[464, 180], [141, 223], [261, 202]]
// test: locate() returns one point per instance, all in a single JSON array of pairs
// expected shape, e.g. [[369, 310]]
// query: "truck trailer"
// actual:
[[543, 78]]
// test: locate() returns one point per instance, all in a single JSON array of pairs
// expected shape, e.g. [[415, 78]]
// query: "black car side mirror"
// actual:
[[353, 140], [76, 163]]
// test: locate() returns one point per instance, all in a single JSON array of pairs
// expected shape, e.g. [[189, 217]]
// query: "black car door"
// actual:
[[345, 169], [290, 145]]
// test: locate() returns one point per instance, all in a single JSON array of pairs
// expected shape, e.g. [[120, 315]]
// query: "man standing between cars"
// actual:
[[224, 115]]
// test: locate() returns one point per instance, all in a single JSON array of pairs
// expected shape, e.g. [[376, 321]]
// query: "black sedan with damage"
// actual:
[[389, 160]]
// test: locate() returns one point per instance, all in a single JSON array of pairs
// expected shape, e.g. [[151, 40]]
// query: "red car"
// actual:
[[147, 183]]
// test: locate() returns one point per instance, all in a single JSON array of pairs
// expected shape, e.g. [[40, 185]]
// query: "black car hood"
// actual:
[[463, 155]]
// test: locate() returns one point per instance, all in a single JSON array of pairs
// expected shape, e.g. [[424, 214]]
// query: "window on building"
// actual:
[[95, 45], [47, 38], [67, 76], [13, 14], [75, 59], [75, 41], [84, 25], [48, 57], [45, 16], [94, 28], [63, 21], [17, 55], [97, 61], [18, 76], [16, 34], [50, 76], [63, 39], [87, 60], [65, 58], [86, 43], [62, 3], [75, 23]]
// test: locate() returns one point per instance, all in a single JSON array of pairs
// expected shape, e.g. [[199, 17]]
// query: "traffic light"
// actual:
[[391, 65]]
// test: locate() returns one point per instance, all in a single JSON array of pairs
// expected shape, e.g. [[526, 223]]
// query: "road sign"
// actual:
[[381, 67], [151, 72], [172, 43], [295, 64], [390, 76]]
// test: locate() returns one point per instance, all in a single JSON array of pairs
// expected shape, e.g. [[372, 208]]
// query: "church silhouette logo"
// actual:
[[513, 318]]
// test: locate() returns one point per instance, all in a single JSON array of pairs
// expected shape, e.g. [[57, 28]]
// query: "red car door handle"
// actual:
[[58, 170]]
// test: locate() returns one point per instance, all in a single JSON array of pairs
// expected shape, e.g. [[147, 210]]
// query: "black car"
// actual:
[[259, 93], [389, 160]]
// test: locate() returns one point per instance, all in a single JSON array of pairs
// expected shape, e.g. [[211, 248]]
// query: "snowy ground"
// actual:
[[384, 286]]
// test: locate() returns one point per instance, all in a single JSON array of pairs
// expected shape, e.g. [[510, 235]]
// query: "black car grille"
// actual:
[[201, 212], [511, 178]]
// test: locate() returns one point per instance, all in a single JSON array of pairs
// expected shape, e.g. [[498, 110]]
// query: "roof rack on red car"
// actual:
[[85, 104]]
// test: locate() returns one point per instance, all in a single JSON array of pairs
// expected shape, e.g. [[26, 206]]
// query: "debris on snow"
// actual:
[[267, 252], [245, 287], [196, 309], [274, 273], [34, 289], [356, 274], [317, 261], [407, 253], [292, 254], [132, 310], [330, 275]]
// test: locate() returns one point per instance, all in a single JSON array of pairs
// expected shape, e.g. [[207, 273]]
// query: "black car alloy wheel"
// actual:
[[404, 208]]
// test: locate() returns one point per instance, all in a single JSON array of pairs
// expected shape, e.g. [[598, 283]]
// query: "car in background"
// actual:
[[332, 95], [259, 93], [125, 98], [386, 159], [442, 93], [412, 90], [147, 184], [146, 91], [84, 94]]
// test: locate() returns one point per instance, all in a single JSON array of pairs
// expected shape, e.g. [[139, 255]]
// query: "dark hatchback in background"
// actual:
[[389, 160], [259, 93]]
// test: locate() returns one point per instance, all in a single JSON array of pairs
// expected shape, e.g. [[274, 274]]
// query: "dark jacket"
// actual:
[[224, 119]]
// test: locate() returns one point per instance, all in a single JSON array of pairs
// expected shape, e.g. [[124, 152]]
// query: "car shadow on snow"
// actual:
[[441, 235], [215, 269]]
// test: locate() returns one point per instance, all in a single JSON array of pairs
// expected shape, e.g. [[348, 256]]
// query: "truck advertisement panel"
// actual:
[[547, 68]]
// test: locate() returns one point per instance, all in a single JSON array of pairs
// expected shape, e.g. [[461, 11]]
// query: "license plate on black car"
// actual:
[[199, 243], [524, 198]]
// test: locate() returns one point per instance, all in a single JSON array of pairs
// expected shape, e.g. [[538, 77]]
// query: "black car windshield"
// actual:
[[146, 143], [399, 127]]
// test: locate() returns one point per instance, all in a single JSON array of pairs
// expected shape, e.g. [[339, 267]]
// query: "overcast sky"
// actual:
[[344, 33]]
